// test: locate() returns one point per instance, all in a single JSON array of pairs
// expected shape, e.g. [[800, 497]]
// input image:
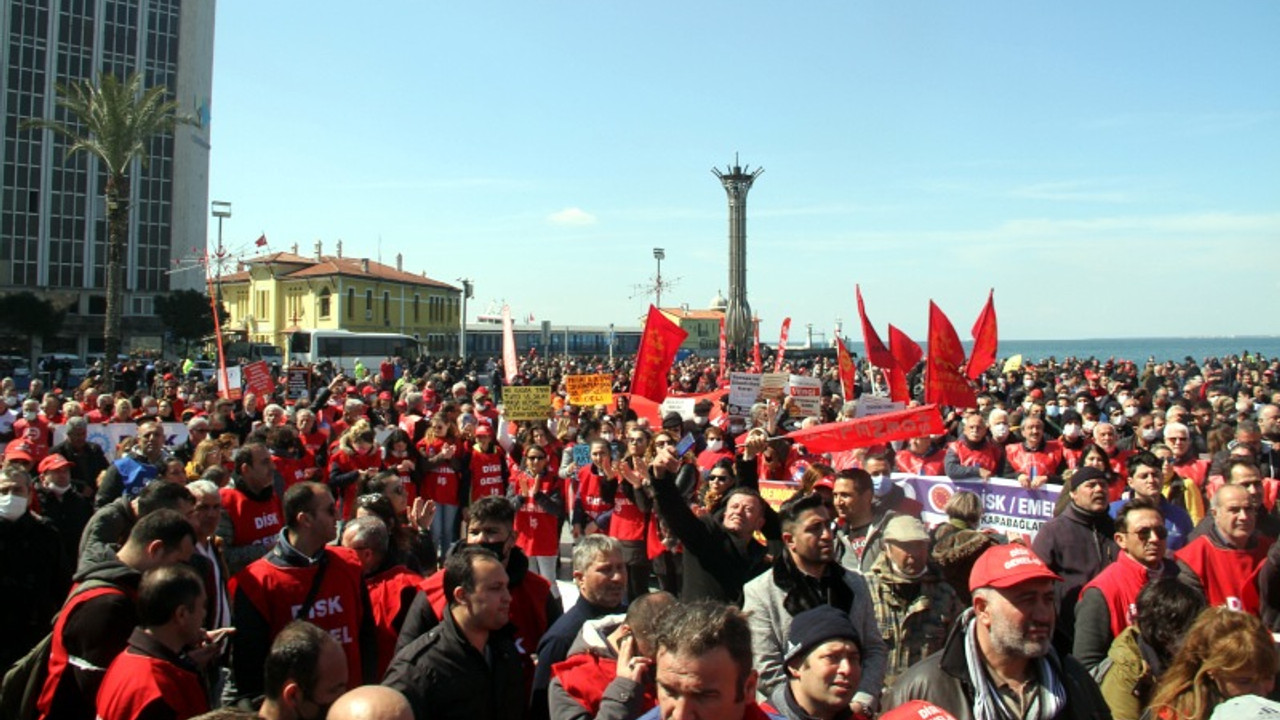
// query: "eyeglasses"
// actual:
[[720, 478], [536, 457], [1144, 534], [635, 440], [1175, 439], [661, 443], [202, 507]]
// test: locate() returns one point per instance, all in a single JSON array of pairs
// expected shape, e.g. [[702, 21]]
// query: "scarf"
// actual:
[[805, 593], [987, 704]]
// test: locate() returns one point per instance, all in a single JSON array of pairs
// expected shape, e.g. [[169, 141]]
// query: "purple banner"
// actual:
[[1008, 508]]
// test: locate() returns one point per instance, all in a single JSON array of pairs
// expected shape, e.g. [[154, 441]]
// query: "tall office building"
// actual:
[[53, 229]]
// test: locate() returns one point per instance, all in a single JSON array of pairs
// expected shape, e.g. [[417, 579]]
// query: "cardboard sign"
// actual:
[[531, 402], [298, 385], [869, 405], [807, 393], [230, 389], [588, 390], [680, 406], [744, 390]]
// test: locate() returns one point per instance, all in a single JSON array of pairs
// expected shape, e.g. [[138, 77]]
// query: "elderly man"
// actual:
[[1242, 471], [1035, 460], [392, 587], [371, 702], [1109, 601], [1077, 545], [973, 455], [197, 431], [34, 579], [87, 459], [60, 502], [824, 665], [914, 606], [805, 576], [1186, 463], [127, 475], [1000, 661], [1224, 562], [252, 515]]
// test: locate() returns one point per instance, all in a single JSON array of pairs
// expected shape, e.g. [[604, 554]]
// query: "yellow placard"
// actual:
[[531, 402], [587, 390]]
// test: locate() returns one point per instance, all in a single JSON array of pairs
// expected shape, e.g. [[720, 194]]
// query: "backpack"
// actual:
[[24, 680]]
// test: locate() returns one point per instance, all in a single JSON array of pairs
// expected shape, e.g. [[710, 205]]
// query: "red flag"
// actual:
[[782, 344], [510, 364], [848, 372], [945, 384], [877, 353], [724, 351], [755, 348], [261, 241], [985, 341], [658, 346], [906, 353]]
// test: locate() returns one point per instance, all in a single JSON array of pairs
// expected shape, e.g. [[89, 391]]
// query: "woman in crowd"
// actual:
[[355, 459], [208, 453]]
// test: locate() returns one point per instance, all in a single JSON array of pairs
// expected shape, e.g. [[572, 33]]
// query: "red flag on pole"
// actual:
[[906, 353], [782, 344], [945, 384], [261, 241], [724, 351], [755, 347], [985, 340], [510, 364], [877, 353], [848, 372], [658, 346]]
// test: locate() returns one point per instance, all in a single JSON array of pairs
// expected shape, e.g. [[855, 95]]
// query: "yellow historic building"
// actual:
[[276, 294], [703, 326]]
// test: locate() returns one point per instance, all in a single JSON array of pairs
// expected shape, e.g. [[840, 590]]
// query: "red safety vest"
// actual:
[[441, 480], [253, 522], [1120, 582], [1229, 576], [986, 456], [909, 462], [584, 678], [345, 462], [1045, 461], [486, 472], [528, 609], [386, 591], [589, 492], [391, 462], [278, 593], [1196, 471], [135, 681], [538, 530], [59, 658], [627, 522], [292, 470]]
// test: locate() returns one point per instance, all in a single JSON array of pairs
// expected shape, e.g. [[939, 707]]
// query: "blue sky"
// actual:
[[1111, 169]]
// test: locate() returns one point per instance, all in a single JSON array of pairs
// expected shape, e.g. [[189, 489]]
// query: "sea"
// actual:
[[1135, 349]]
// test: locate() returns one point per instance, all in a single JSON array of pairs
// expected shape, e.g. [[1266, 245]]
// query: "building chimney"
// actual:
[[319, 250], [364, 265], [295, 248], [339, 248], [399, 262]]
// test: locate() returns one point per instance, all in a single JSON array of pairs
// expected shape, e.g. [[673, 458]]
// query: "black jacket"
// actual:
[[943, 679], [444, 676], [33, 582], [1077, 545]]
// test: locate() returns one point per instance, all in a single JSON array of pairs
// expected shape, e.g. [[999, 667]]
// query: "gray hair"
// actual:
[[196, 421], [1176, 426], [16, 474], [77, 423], [202, 487], [591, 547], [370, 531]]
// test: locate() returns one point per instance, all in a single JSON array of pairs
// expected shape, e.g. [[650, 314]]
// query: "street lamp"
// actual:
[[468, 291], [220, 210], [659, 254]]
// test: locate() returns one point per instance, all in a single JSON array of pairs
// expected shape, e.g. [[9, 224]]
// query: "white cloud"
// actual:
[[572, 217]]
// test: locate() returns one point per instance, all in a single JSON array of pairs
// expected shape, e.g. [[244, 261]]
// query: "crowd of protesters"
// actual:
[[392, 527]]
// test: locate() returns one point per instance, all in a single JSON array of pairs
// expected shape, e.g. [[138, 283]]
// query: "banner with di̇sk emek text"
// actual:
[[109, 436], [1007, 507]]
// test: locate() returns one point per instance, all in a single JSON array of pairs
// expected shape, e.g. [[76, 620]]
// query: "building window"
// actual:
[[368, 301], [415, 308], [351, 303], [386, 308], [324, 303]]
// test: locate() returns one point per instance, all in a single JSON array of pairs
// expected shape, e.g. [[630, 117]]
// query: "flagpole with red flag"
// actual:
[[782, 344], [945, 384], [658, 346], [848, 371], [724, 351], [985, 340], [877, 353], [755, 348], [906, 353]]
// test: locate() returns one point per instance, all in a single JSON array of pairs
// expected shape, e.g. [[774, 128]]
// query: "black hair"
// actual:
[[162, 494], [861, 478], [298, 499], [294, 655], [166, 525], [791, 511], [163, 590], [459, 568], [1143, 458], [1166, 609], [492, 509], [1122, 517]]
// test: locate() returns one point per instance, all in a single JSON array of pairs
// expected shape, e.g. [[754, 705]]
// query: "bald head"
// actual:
[[371, 702]]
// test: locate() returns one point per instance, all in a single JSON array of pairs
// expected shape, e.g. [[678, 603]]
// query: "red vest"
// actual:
[[708, 458], [1120, 582], [589, 492], [1045, 461], [278, 593], [1073, 456], [135, 681], [1229, 576], [909, 462], [292, 470], [585, 676], [314, 441], [528, 609], [627, 522], [486, 472], [538, 530], [253, 522], [441, 480], [386, 590], [58, 655], [987, 456], [1194, 470], [344, 462]]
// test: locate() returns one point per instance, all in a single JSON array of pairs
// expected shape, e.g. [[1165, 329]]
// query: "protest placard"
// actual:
[[807, 393], [587, 390], [231, 388], [258, 380], [526, 402], [680, 406], [869, 405], [1008, 508], [744, 389], [298, 385], [773, 386]]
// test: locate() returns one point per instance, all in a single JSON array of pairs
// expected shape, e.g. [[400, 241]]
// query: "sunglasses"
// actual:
[[536, 457], [1144, 534]]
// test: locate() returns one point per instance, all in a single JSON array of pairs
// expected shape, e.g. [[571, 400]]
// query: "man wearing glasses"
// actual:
[[1109, 601], [1185, 461]]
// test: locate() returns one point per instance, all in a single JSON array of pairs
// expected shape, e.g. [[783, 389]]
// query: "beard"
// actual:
[[1009, 639]]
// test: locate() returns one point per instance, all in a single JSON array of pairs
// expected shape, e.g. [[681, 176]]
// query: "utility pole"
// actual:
[[468, 291], [659, 254], [221, 210]]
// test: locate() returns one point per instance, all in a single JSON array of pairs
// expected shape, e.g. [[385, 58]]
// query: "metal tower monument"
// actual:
[[737, 182]]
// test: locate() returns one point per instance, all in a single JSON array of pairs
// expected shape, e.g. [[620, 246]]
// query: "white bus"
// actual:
[[343, 348]]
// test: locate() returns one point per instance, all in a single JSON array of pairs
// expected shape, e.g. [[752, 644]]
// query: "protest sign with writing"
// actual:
[[257, 380], [680, 406], [531, 402], [807, 393], [298, 385], [585, 390], [903, 425], [231, 388], [869, 405], [744, 389], [1008, 508]]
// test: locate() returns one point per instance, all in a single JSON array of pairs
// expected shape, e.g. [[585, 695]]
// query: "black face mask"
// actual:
[[498, 548]]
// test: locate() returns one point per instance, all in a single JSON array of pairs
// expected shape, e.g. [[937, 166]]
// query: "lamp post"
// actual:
[[220, 210], [659, 254], [610, 346], [468, 291]]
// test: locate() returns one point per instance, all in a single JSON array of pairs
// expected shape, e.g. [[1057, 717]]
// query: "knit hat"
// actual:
[[821, 624]]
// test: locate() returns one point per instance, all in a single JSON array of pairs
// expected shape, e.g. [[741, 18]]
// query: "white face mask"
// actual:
[[1130, 410], [12, 506], [1071, 430], [607, 437], [1089, 425], [31, 416], [1118, 421], [1150, 435], [715, 445], [56, 488], [1080, 407], [1028, 383], [1000, 431]]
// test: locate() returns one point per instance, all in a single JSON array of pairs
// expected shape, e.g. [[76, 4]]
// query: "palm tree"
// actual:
[[114, 122]]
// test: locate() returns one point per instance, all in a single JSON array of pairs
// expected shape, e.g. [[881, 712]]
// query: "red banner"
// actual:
[[985, 341], [782, 344], [658, 346], [257, 380], [724, 352], [848, 371], [945, 384], [877, 353], [874, 430], [755, 347], [510, 364]]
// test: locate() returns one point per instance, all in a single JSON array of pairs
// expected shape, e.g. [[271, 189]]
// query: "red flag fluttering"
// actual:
[[782, 344], [755, 348], [906, 353], [945, 385], [848, 372], [877, 353], [658, 346], [261, 241], [985, 341]]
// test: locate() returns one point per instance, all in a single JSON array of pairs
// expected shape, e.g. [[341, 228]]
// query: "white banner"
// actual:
[[109, 436]]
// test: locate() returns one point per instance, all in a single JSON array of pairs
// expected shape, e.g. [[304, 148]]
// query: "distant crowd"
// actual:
[[385, 543]]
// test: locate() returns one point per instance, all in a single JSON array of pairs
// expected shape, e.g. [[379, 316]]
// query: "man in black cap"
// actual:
[[824, 665]]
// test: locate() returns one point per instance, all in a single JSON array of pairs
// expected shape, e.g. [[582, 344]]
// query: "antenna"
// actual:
[[656, 284]]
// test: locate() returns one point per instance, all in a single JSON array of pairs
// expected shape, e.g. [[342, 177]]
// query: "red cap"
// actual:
[[1090, 375], [384, 395], [19, 451], [367, 390], [483, 430], [826, 481], [168, 376], [482, 391], [1003, 566], [54, 462], [1036, 393]]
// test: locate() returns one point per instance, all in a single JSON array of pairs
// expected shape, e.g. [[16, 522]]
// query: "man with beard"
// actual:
[[803, 577], [861, 528], [1035, 460], [1077, 545], [1000, 661]]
